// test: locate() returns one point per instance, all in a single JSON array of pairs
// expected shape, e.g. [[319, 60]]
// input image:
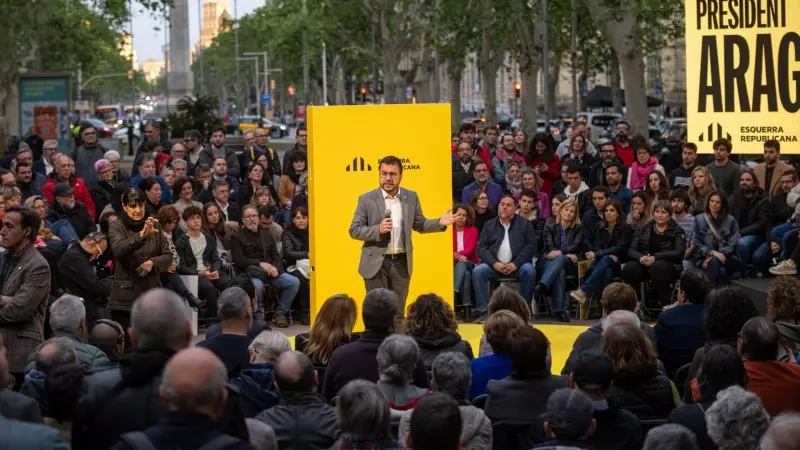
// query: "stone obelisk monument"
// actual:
[[181, 80]]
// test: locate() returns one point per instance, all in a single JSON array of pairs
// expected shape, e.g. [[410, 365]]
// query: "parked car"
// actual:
[[597, 123]]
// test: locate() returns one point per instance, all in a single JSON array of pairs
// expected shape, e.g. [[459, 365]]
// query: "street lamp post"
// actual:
[[200, 49], [236, 46]]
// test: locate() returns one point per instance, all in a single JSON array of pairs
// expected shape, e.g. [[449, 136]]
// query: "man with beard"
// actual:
[[255, 253], [619, 192], [193, 141], [483, 182], [681, 203], [462, 173], [608, 156], [65, 207], [750, 208], [768, 172], [63, 174], [490, 140], [88, 153], [503, 157], [29, 182], [217, 149], [780, 223], [681, 178], [626, 150], [467, 134]]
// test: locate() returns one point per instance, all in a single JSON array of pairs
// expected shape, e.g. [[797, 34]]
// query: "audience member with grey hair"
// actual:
[[302, 419], [769, 378], [451, 375], [356, 360], [618, 317], [256, 379], [194, 391], [262, 436], [397, 357], [121, 400], [236, 316], [53, 353], [68, 320], [737, 420], [364, 418], [120, 176], [783, 433], [670, 437]]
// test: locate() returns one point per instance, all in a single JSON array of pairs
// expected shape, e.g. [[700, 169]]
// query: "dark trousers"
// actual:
[[302, 301], [209, 290], [660, 273], [173, 282], [393, 275]]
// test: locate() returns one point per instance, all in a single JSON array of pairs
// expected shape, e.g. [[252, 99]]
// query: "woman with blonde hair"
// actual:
[[332, 327], [531, 180], [432, 324], [702, 187], [564, 242]]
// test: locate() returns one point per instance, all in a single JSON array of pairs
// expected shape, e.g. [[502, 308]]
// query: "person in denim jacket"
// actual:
[[716, 251]]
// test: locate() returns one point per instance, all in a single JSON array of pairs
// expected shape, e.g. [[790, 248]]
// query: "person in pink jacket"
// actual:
[[465, 255]]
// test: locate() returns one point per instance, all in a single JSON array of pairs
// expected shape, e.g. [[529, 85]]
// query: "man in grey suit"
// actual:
[[384, 219], [24, 288]]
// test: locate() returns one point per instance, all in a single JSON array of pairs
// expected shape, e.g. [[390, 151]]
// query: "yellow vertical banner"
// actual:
[[345, 146], [743, 73]]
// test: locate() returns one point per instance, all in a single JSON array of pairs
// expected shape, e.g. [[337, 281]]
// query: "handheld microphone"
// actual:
[[387, 214]]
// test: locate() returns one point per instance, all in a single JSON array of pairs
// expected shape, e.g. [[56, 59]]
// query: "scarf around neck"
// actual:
[[640, 173]]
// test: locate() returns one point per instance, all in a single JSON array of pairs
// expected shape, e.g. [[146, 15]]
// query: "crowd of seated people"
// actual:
[[634, 223]]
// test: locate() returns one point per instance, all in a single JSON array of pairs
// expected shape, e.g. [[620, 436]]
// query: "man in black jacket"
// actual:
[[617, 428], [681, 178], [356, 360], [462, 170], [750, 208], [506, 248], [217, 149], [780, 215], [302, 419], [607, 156], [254, 252], [65, 207], [77, 275], [119, 401]]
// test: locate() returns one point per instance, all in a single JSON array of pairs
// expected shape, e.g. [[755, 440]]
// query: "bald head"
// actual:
[[783, 433], [108, 338], [295, 373], [195, 381], [759, 339], [54, 353], [159, 320]]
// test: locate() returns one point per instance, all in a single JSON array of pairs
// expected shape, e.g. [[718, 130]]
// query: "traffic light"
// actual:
[[233, 106], [363, 95], [517, 89]]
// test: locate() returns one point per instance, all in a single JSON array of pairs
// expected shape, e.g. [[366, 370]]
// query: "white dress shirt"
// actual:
[[396, 244], [504, 252]]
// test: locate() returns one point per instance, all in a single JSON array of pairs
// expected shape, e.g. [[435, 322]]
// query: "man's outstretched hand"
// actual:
[[447, 219]]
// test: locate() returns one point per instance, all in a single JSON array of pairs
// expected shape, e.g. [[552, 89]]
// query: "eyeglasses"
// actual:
[[250, 217], [391, 175]]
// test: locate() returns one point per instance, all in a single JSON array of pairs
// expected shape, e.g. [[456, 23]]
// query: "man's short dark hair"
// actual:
[[202, 167], [218, 184], [691, 146], [723, 142], [772, 143], [193, 134], [392, 161], [602, 188], [28, 219], [760, 337], [22, 164], [217, 128], [477, 162], [527, 349], [467, 126], [379, 309], [530, 193], [681, 195], [790, 172], [291, 380], [616, 164], [435, 423], [696, 286], [191, 211], [573, 167], [152, 145], [301, 127], [266, 211], [144, 157]]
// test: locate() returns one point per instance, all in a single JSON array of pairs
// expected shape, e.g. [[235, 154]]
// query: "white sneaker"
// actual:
[[787, 267]]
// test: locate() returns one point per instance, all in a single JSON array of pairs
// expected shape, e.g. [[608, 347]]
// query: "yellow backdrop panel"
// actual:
[[345, 145], [742, 69]]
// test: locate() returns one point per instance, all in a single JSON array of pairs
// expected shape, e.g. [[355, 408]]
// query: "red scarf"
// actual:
[[639, 173]]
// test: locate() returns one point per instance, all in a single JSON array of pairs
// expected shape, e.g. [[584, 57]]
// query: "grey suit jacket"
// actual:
[[366, 227], [26, 290]]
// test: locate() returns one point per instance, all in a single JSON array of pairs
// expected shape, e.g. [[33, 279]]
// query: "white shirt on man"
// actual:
[[396, 207], [504, 254]]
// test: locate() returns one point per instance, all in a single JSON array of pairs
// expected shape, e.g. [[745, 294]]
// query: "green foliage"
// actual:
[[194, 114]]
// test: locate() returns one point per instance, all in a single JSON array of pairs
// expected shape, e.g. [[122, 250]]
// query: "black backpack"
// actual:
[[137, 440]]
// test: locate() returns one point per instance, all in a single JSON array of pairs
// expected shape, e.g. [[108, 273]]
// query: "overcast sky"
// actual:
[[148, 43]]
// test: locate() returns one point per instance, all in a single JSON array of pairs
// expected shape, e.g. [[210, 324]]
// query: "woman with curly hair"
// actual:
[[499, 330], [727, 310], [783, 306], [432, 324], [333, 327], [639, 386]]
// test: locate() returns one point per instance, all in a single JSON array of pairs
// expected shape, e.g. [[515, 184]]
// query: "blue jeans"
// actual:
[[483, 273], [601, 275], [762, 257], [779, 235], [63, 230], [715, 273], [289, 286], [747, 246], [462, 280], [555, 280]]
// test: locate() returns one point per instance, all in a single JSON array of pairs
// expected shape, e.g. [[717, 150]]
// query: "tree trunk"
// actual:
[[583, 80], [489, 68], [632, 65], [455, 72], [616, 82], [529, 100], [555, 72]]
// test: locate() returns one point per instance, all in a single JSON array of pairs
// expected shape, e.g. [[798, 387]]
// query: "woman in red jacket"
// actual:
[[542, 159], [465, 254]]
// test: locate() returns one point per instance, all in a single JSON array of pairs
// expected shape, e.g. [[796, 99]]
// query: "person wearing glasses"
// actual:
[[193, 141], [46, 165], [88, 153], [119, 175], [481, 171], [384, 219]]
